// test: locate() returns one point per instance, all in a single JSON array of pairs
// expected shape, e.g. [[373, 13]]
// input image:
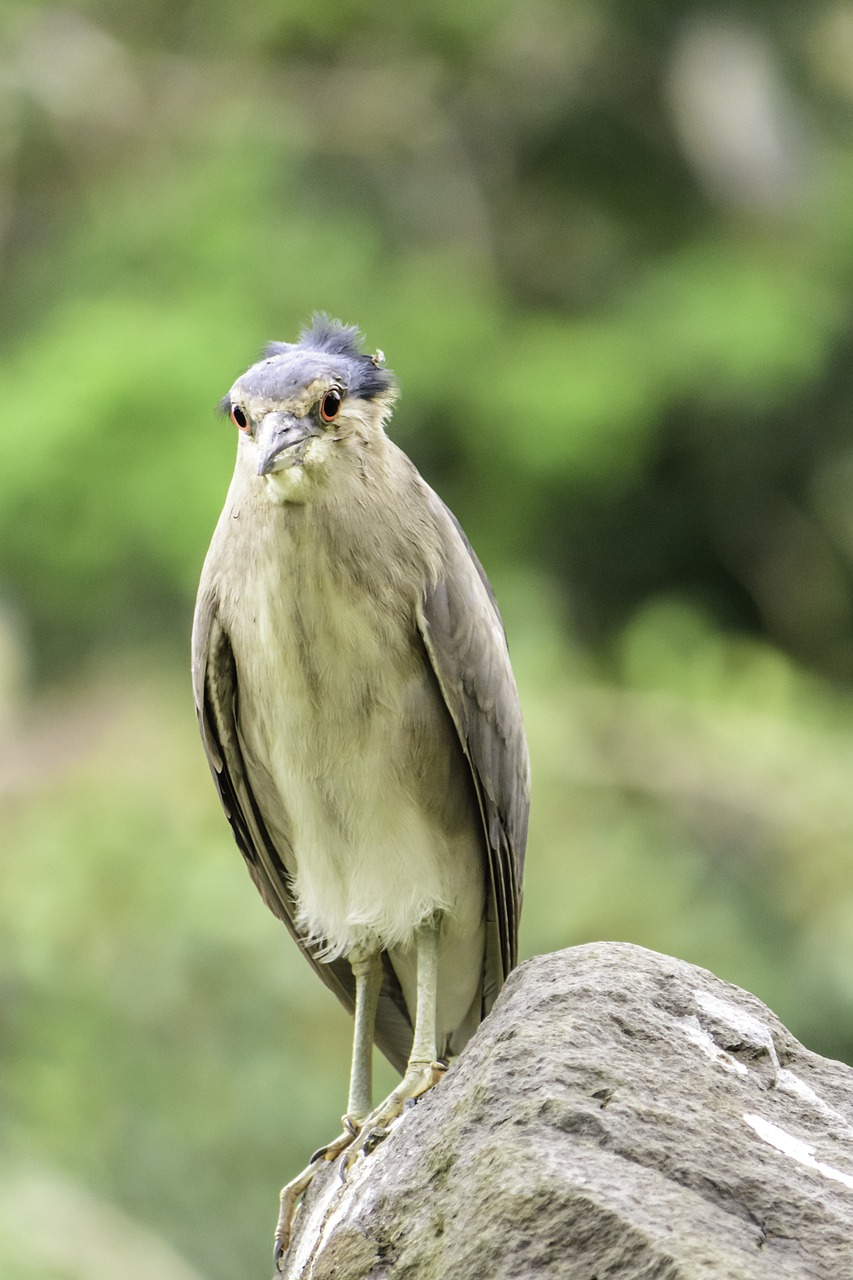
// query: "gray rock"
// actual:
[[620, 1114]]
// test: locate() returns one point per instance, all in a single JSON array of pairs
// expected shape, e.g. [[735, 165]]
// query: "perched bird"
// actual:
[[361, 719]]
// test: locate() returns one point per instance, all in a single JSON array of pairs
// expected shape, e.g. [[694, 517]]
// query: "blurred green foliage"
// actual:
[[608, 250]]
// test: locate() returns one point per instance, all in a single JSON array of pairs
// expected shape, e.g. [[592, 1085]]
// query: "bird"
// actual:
[[361, 719]]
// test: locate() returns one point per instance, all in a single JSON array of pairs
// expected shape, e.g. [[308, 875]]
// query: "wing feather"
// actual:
[[464, 637]]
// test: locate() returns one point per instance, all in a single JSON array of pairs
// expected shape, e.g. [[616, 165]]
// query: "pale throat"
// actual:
[[295, 484], [288, 486]]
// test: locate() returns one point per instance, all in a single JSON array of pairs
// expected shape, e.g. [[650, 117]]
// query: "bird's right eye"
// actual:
[[239, 418]]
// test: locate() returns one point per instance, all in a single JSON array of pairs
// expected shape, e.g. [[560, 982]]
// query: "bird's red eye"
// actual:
[[239, 418], [330, 405]]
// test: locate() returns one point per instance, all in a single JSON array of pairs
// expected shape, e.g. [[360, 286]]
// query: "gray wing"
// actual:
[[464, 637], [216, 692]]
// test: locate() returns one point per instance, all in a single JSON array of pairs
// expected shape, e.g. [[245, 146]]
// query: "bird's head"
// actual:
[[307, 403]]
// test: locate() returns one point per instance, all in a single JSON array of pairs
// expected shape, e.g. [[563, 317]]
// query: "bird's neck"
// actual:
[[366, 515]]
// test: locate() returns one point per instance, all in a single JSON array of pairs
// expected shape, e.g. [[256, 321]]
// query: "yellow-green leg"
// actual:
[[423, 1070], [367, 971]]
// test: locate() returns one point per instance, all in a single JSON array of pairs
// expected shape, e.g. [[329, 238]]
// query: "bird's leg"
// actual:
[[367, 970], [366, 965], [422, 1066], [423, 1070]]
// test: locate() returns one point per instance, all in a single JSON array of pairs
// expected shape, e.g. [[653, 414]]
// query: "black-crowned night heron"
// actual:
[[360, 718]]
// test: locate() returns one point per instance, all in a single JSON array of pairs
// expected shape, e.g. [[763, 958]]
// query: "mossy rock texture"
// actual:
[[619, 1114]]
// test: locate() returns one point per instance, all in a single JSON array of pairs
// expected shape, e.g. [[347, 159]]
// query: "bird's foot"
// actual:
[[419, 1077], [289, 1198], [296, 1188], [358, 1138]]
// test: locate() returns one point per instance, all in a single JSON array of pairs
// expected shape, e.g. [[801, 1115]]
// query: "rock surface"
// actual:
[[620, 1114]]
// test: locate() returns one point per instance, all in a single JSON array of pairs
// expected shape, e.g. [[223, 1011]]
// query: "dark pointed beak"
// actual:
[[277, 435]]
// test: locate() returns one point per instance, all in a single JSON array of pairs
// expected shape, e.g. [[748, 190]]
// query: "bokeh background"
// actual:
[[607, 246]]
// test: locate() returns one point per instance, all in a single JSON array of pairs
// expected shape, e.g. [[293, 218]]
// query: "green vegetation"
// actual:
[[608, 250]]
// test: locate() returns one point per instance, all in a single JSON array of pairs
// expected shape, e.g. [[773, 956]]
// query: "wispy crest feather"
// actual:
[[335, 338], [323, 333]]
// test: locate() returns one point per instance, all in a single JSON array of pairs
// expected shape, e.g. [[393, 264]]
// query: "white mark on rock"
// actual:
[[802, 1152], [787, 1082], [697, 1035], [746, 1027]]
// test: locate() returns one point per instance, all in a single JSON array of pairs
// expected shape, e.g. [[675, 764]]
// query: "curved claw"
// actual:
[[368, 1140], [373, 1139], [334, 1148]]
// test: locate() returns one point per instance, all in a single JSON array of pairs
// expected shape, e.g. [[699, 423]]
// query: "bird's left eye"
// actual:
[[239, 418], [330, 405]]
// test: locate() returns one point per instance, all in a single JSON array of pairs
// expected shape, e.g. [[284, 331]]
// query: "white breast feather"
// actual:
[[368, 862]]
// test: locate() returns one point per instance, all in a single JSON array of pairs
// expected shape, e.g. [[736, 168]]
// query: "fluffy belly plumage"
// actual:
[[362, 781], [369, 866]]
